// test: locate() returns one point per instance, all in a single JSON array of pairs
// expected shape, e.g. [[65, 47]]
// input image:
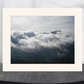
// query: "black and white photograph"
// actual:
[[42, 39]]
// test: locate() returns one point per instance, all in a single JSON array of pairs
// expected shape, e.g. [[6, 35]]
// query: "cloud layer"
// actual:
[[31, 40], [54, 46], [50, 40]]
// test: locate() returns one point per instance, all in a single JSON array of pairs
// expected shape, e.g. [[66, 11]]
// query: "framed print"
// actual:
[[43, 39]]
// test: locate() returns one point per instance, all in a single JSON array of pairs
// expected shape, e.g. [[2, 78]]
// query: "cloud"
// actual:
[[30, 40], [55, 46], [51, 39]]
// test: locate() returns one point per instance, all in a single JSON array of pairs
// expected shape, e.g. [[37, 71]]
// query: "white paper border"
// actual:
[[8, 12]]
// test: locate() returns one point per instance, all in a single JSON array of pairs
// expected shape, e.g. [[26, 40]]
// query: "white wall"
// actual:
[[0, 31], [62, 3], [17, 3]]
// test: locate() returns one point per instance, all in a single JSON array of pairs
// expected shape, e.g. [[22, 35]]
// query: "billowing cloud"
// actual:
[[50, 40], [30, 40], [49, 47]]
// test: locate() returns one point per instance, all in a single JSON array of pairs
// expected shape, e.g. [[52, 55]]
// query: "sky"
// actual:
[[42, 23], [33, 35]]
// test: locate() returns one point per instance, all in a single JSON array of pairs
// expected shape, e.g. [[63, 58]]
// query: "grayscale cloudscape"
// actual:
[[43, 37]]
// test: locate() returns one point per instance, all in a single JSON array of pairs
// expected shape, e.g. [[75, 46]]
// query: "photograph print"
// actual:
[[42, 40]]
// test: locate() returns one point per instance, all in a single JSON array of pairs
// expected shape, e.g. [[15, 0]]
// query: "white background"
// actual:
[[38, 4]]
